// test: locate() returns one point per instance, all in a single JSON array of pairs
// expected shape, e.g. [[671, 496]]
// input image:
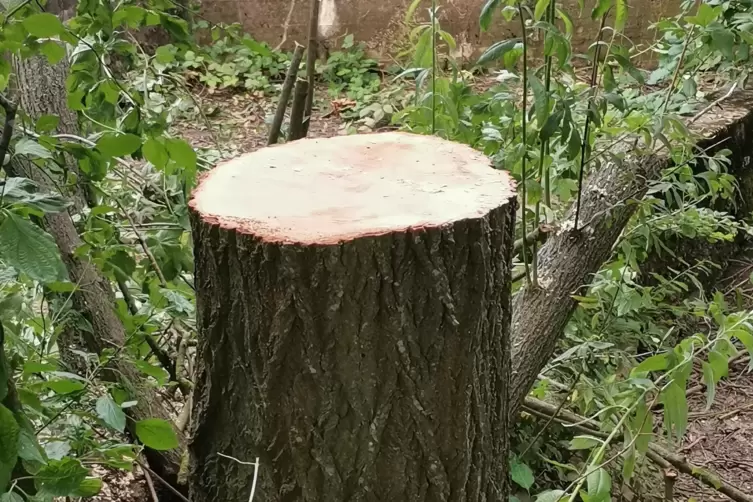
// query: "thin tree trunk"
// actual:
[[41, 91], [287, 89], [365, 360]]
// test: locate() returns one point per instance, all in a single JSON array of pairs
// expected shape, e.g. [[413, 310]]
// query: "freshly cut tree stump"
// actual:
[[354, 318]]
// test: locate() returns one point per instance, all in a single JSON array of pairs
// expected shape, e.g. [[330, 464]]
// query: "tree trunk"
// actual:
[[41, 91], [353, 311]]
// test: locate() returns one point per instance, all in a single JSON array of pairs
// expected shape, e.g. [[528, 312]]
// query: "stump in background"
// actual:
[[354, 319]]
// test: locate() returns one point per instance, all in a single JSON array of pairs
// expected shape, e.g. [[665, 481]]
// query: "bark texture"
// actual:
[[376, 369], [41, 91]]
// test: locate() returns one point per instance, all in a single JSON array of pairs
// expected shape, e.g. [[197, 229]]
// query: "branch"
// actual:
[[287, 88], [311, 64], [10, 121], [297, 129]]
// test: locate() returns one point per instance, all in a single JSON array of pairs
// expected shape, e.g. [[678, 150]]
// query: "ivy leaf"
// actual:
[[29, 147], [118, 145], [43, 25], [521, 474], [53, 51], [487, 11], [156, 434], [599, 485], [496, 51], [30, 250], [9, 432], [111, 413], [61, 478]]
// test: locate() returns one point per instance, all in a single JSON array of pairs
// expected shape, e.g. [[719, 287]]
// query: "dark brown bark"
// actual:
[[364, 370], [41, 91], [296, 128], [311, 53], [287, 89]]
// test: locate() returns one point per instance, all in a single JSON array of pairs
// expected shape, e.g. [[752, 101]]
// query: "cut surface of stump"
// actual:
[[353, 301]]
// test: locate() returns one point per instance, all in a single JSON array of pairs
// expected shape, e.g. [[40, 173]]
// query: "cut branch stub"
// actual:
[[354, 316]]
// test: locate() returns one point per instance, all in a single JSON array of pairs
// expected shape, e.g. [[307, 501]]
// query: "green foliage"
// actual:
[[349, 71]]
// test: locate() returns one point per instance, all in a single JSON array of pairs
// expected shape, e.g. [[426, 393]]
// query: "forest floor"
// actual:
[[720, 438]]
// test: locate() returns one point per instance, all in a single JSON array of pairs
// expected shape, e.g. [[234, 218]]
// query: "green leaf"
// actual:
[[61, 478], [111, 413], [156, 153], [724, 41], [65, 386], [29, 449], [156, 434], [720, 364], [53, 51], [118, 145], [487, 11], [601, 8], [599, 485], [521, 473], [156, 372], [422, 56], [56, 450], [643, 424], [131, 14], [550, 496], [30, 250], [47, 123], [609, 83], [262, 49], [540, 100], [540, 10], [165, 54], [11, 497], [657, 362], [708, 380], [705, 16], [496, 51], [675, 410], [583, 443], [31, 148], [183, 155], [628, 461], [43, 25], [9, 432], [89, 487], [621, 14], [24, 191]]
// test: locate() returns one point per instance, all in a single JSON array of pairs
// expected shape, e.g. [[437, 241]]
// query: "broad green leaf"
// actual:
[[723, 41], [30, 250], [29, 147], [156, 372], [745, 338], [601, 8], [118, 145], [54, 52], [24, 191], [609, 83], [620, 15], [156, 434], [11, 497], [628, 458], [43, 25], [258, 47], [521, 474], [29, 449], [599, 485], [47, 123], [657, 362], [111, 413], [710, 382], [423, 55], [89, 487], [131, 14], [540, 10], [164, 54], [9, 432], [487, 12], [643, 424], [567, 21], [705, 16], [496, 51], [584, 442], [156, 153], [540, 100], [719, 364], [550, 496], [675, 410], [56, 450], [61, 478], [65, 386], [183, 155]]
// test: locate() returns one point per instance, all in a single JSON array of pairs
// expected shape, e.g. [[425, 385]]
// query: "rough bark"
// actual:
[[570, 257], [41, 91], [371, 368]]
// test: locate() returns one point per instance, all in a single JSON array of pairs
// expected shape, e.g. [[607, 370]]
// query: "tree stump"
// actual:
[[354, 317]]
